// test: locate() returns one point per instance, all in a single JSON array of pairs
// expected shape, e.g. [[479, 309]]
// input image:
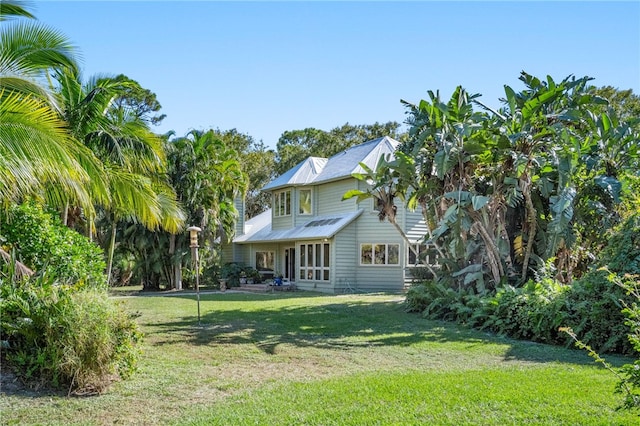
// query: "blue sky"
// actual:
[[267, 67]]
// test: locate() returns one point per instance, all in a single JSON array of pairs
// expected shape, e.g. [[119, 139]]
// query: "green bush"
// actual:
[[595, 312], [629, 385], [437, 300], [66, 336], [622, 253], [533, 312], [42, 242]]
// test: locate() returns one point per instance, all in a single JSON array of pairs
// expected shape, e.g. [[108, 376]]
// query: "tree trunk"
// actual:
[[112, 245], [177, 267], [65, 213], [533, 225]]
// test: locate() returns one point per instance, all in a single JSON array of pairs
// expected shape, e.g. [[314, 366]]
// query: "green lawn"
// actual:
[[302, 358]]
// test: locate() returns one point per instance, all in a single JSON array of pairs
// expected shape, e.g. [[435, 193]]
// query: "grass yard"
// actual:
[[307, 359]]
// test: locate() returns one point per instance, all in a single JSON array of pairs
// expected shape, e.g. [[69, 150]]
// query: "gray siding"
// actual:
[[239, 204], [416, 230], [344, 264], [330, 197]]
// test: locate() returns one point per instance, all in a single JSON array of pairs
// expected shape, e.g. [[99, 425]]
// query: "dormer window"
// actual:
[[304, 201], [282, 203]]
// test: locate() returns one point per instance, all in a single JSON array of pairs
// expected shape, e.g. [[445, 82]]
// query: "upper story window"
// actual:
[[304, 201], [282, 203]]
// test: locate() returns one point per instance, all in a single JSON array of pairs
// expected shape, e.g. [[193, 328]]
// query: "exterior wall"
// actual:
[[378, 277], [344, 272], [239, 204], [416, 230], [329, 197]]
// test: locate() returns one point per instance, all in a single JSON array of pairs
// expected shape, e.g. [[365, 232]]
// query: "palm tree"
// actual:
[[37, 155], [133, 157], [208, 177]]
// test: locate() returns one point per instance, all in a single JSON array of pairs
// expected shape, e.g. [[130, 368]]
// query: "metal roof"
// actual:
[[316, 170], [258, 230]]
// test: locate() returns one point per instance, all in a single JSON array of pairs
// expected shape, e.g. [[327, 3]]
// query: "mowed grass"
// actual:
[[307, 359]]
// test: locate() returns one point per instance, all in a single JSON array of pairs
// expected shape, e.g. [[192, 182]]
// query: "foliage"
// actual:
[[592, 306], [622, 253], [258, 164], [505, 191], [58, 167], [629, 374], [532, 312], [58, 335], [207, 177], [233, 271], [595, 304], [629, 385], [42, 243]]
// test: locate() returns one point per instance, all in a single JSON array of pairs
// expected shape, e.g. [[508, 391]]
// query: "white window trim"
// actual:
[[276, 203], [310, 201], [306, 269], [386, 264]]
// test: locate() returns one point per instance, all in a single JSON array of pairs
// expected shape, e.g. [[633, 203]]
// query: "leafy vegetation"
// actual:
[[65, 336], [504, 192], [592, 305], [43, 243]]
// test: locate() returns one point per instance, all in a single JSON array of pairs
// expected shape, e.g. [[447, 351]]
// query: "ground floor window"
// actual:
[[379, 254], [314, 261], [265, 262], [424, 256]]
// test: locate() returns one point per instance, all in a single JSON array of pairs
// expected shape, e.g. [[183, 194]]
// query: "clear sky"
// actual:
[[267, 67]]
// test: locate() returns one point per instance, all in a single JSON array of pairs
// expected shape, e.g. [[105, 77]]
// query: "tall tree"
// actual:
[[501, 190], [258, 164], [116, 129], [58, 167], [207, 176]]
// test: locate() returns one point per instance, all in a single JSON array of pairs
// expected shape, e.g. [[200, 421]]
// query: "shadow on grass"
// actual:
[[341, 324]]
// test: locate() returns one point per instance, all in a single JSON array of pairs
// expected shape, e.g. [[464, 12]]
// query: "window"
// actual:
[[304, 203], [425, 257], [282, 203], [265, 262], [314, 262], [379, 254]]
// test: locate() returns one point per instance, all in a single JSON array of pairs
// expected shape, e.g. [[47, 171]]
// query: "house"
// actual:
[[313, 238]]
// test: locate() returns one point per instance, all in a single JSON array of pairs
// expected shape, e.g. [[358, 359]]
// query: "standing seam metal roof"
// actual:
[[316, 170]]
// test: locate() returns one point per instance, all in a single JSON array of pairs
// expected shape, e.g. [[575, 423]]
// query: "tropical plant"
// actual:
[[41, 242], [207, 177], [504, 191], [105, 113], [58, 168], [58, 336]]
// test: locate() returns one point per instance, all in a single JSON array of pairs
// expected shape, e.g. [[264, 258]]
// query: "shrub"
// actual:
[[533, 312], [437, 300], [42, 242], [622, 253], [66, 336], [595, 312]]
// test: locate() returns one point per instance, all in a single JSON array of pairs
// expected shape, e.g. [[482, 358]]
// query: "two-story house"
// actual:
[[322, 243]]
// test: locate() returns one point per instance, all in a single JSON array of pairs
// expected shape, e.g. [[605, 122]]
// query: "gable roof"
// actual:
[[258, 229], [316, 170]]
